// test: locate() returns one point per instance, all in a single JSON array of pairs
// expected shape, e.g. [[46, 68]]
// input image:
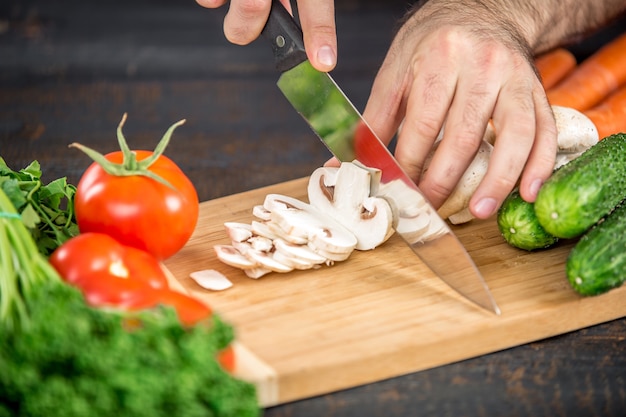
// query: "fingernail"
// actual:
[[485, 208], [535, 186], [326, 56]]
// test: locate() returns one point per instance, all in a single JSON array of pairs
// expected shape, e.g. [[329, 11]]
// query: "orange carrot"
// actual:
[[554, 65], [594, 79], [610, 115]]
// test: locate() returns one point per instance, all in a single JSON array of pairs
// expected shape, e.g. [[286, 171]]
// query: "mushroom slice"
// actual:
[[404, 200], [293, 262], [266, 261], [280, 233], [413, 228], [376, 176], [211, 279], [331, 257], [437, 227], [261, 212], [301, 252], [297, 218], [231, 256], [417, 221], [344, 193], [238, 232], [408, 206], [263, 229], [256, 273], [261, 243], [242, 247]]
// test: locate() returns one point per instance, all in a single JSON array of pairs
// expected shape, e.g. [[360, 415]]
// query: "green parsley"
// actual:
[[47, 210]]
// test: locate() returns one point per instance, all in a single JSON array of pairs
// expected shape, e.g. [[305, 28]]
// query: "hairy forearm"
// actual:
[[548, 23], [535, 25]]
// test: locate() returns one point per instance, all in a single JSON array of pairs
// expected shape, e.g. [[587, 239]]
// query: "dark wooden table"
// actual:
[[69, 69]]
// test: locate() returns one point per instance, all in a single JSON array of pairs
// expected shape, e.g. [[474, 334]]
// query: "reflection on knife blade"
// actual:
[[319, 100]]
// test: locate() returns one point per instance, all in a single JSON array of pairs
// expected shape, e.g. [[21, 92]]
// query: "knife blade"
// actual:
[[340, 126]]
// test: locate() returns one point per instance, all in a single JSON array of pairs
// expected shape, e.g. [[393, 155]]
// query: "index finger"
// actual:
[[317, 18]]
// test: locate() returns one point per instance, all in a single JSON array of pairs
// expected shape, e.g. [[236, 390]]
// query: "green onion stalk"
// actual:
[[22, 266]]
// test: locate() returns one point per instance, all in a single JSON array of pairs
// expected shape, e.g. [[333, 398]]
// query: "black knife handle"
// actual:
[[285, 36]]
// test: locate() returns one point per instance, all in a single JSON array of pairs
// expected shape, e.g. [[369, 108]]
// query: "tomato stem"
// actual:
[[130, 166]]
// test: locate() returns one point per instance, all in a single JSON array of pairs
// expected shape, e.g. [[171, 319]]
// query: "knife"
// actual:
[[340, 126]]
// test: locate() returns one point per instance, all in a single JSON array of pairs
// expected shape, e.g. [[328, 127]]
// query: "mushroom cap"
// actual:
[[346, 194], [471, 178], [576, 132]]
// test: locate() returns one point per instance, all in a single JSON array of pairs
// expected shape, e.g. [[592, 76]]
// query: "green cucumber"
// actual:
[[597, 263], [519, 226], [581, 192]]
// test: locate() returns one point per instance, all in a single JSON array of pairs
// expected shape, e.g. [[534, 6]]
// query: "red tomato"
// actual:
[[369, 154], [109, 273], [226, 357], [190, 310], [137, 210]]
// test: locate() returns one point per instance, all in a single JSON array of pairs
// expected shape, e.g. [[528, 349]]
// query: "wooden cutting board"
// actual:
[[381, 313]]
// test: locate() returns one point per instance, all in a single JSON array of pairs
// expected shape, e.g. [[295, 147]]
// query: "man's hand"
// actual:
[[245, 20], [456, 70]]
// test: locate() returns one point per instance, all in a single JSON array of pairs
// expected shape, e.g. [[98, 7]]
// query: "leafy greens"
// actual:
[[47, 210]]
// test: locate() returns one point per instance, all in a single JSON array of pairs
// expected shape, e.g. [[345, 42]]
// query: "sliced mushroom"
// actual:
[[297, 218], [277, 229], [405, 202], [261, 212], [416, 220], [242, 247], [344, 193], [413, 228], [293, 262], [261, 243], [238, 232], [331, 257], [256, 272], [301, 252], [263, 229], [211, 279], [266, 261], [231, 256]]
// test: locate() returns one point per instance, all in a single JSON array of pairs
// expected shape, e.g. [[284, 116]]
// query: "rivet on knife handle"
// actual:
[[285, 37]]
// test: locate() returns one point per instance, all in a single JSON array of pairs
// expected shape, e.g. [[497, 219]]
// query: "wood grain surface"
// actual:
[[381, 313], [70, 68]]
